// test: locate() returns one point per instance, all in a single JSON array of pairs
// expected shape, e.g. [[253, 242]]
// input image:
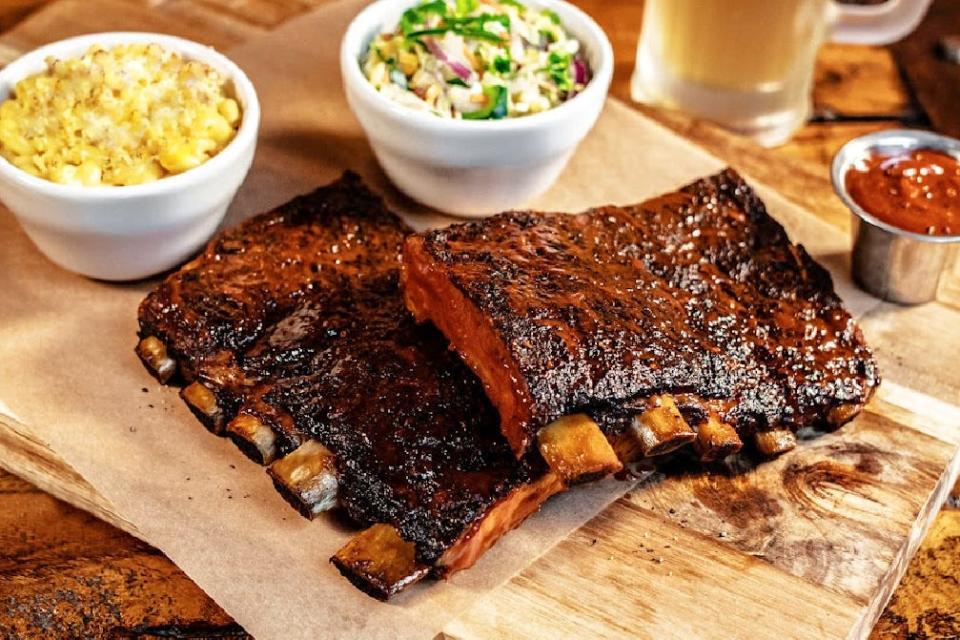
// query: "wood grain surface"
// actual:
[[66, 574]]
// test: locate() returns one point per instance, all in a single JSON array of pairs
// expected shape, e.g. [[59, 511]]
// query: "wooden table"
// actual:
[[66, 574]]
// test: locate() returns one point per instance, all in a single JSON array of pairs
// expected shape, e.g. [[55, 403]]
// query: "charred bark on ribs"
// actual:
[[291, 336], [607, 336], [687, 318]]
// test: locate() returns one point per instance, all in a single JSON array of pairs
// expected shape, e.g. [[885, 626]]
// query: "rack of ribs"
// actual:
[[689, 319], [290, 336]]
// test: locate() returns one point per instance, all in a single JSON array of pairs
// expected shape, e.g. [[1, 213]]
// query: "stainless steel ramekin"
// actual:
[[888, 262]]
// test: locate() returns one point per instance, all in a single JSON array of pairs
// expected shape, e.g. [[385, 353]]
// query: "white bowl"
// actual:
[[130, 232], [473, 167]]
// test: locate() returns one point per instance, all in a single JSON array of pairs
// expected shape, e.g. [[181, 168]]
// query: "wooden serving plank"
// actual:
[[689, 586], [809, 545]]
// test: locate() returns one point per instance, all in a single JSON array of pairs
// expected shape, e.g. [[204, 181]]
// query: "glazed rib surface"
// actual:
[[698, 294], [292, 331]]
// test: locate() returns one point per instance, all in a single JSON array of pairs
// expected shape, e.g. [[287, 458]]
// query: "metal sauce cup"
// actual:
[[888, 262]]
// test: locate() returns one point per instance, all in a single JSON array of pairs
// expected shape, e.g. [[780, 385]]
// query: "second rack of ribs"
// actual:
[[697, 297]]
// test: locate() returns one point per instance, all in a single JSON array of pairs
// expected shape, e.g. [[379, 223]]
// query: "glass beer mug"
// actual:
[[748, 64]]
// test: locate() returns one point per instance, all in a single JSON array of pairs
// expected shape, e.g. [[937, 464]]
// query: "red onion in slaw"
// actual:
[[580, 73], [458, 68]]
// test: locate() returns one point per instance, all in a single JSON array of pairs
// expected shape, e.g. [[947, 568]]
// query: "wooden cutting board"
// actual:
[[810, 545]]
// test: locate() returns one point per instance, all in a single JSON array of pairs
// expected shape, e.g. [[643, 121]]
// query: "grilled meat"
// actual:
[[687, 318], [256, 273], [611, 335], [291, 334]]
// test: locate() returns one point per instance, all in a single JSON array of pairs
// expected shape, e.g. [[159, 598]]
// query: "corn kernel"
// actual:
[[89, 174], [408, 63], [64, 174], [217, 128], [230, 110], [180, 156]]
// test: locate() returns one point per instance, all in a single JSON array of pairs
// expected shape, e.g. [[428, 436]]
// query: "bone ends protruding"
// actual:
[[154, 354], [773, 443], [842, 414], [307, 478], [576, 449], [716, 439], [661, 428], [203, 403], [254, 438], [379, 562]]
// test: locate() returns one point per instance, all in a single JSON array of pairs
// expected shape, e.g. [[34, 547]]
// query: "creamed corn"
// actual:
[[130, 114]]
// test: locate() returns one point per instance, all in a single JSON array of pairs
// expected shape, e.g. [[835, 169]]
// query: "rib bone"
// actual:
[[661, 429], [307, 478], [254, 438], [154, 354], [773, 443], [379, 562], [716, 439], [204, 404], [576, 449], [842, 413]]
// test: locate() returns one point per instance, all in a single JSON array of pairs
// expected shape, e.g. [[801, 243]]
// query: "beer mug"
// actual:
[[748, 64]]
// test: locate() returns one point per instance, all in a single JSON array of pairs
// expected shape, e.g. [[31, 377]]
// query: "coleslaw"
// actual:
[[477, 60]]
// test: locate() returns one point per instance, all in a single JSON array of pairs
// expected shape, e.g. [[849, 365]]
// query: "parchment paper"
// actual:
[[68, 372]]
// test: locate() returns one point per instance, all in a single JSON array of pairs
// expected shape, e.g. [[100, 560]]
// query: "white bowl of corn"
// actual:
[[120, 152]]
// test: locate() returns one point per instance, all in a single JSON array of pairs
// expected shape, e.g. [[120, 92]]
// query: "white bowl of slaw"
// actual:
[[130, 232], [473, 168]]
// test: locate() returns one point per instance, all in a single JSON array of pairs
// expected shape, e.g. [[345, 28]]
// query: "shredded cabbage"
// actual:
[[477, 59]]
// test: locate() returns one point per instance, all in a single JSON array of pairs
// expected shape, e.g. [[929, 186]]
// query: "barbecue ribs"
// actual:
[[689, 318], [291, 336]]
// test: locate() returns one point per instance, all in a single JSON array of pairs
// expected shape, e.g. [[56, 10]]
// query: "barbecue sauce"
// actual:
[[917, 191]]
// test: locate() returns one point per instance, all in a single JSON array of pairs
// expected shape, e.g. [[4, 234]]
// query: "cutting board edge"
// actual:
[[921, 526], [34, 461]]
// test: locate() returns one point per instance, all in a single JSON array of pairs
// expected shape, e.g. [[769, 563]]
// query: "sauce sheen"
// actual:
[[917, 191]]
